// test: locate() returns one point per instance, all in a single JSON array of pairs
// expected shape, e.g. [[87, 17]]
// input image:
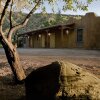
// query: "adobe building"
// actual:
[[77, 33]]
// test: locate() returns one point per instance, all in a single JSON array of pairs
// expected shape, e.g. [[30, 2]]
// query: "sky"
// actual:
[[93, 7]]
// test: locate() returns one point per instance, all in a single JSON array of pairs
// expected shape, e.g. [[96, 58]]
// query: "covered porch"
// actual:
[[59, 36]]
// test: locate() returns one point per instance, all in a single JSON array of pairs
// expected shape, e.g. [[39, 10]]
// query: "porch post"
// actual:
[[27, 41], [62, 37]]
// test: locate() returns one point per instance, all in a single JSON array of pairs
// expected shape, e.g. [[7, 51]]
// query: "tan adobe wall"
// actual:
[[91, 30], [58, 42], [89, 21], [97, 35], [52, 40]]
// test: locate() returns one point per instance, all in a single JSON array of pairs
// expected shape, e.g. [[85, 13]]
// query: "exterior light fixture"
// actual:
[[39, 35], [49, 34], [67, 32], [28, 37]]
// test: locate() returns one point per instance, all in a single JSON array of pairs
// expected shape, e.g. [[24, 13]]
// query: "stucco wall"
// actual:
[[52, 40], [58, 42], [91, 31], [43, 41]]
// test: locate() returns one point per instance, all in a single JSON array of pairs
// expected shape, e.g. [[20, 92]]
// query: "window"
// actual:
[[79, 35]]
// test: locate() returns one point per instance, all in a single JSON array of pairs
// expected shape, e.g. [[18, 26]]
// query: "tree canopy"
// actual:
[[61, 4]]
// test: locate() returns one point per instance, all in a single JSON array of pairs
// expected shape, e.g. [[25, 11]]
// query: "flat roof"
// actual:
[[46, 29]]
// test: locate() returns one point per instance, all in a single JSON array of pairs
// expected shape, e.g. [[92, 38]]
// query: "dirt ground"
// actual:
[[35, 58]]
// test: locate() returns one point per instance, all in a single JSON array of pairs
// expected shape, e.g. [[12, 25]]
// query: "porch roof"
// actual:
[[47, 29]]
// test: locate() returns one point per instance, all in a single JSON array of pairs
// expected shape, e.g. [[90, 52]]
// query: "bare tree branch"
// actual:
[[10, 15], [1, 23], [2, 16], [23, 23]]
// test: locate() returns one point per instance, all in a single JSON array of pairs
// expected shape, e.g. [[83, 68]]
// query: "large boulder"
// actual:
[[62, 81]]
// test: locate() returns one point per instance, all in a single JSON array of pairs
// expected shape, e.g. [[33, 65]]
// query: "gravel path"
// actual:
[[58, 52]]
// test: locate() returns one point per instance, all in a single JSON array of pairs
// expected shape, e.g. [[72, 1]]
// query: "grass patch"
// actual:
[[0, 46]]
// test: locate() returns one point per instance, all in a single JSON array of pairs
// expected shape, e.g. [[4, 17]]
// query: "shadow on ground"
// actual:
[[9, 90]]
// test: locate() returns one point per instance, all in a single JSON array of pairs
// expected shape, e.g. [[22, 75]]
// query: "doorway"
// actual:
[[79, 37]]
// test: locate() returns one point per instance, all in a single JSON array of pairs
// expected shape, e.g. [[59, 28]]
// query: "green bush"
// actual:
[[0, 46]]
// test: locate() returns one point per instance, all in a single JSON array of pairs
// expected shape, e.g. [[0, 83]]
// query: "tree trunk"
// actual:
[[14, 61]]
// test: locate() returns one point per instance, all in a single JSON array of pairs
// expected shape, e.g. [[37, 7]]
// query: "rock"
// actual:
[[62, 81]]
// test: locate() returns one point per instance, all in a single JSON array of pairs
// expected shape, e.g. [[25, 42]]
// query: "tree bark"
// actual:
[[13, 60]]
